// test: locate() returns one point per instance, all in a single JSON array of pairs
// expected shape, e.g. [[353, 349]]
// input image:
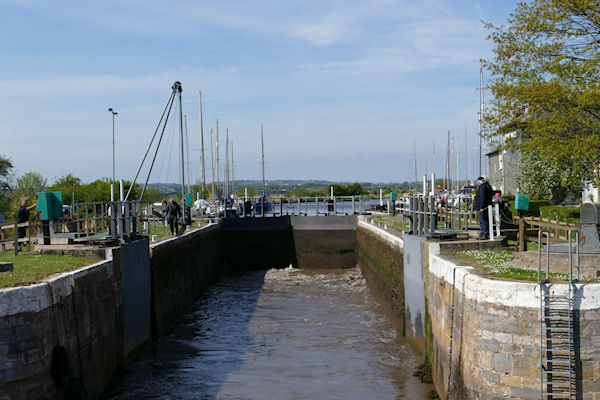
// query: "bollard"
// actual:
[[497, 217], [491, 221]]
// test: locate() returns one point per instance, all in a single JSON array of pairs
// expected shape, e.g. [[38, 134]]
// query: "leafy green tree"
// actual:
[[5, 187], [545, 81], [67, 184], [28, 185], [543, 181]]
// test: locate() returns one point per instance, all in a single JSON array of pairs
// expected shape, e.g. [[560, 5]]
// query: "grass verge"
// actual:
[[496, 263], [31, 268]]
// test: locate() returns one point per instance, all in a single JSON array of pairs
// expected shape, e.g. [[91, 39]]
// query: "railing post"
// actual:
[[419, 216], [426, 215], [317, 206], [433, 219], [28, 234], [16, 238], [77, 220], [411, 215], [2, 246]]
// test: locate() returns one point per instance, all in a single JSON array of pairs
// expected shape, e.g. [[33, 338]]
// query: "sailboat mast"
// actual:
[[232, 171], [226, 192], [187, 155], [217, 152], [415, 150], [203, 189], [480, 112], [262, 144], [212, 164], [178, 86]]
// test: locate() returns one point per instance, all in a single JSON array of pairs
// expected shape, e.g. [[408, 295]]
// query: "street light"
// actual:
[[113, 148]]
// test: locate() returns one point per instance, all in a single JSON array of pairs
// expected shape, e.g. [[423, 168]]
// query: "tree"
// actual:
[[544, 181], [545, 81], [5, 187], [29, 184]]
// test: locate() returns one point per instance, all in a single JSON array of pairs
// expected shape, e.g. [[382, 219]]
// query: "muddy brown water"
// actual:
[[279, 334]]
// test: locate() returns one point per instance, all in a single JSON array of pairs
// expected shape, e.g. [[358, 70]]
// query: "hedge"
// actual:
[[561, 213], [534, 208]]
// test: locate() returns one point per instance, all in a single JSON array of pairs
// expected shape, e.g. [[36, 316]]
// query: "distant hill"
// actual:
[[283, 186]]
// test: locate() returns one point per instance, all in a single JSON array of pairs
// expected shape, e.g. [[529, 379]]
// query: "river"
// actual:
[[278, 334]]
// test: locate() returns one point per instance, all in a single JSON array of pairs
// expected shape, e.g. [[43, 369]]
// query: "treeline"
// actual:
[[13, 189]]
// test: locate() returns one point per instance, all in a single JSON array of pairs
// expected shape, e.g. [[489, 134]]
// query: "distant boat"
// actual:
[[258, 207]]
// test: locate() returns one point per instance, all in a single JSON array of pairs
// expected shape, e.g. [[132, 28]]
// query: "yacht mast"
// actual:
[[203, 189], [262, 142]]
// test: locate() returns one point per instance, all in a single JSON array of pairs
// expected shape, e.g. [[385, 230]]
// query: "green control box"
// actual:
[[393, 196], [49, 204], [521, 202], [188, 199]]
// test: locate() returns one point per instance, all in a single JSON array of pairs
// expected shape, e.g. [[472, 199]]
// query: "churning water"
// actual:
[[279, 334]]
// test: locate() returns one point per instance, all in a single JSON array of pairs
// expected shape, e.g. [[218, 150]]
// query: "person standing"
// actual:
[[22, 217], [173, 213], [483, 199]]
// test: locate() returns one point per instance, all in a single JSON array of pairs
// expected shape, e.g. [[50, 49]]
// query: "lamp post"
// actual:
[[112, 191]]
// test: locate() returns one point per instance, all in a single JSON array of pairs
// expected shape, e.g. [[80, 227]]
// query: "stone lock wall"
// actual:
[[181, 269], [79, 310], [84, 311], [382, 266], [484, 334]]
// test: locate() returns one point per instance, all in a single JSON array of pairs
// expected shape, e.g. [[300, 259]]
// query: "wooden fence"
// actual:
[[559, 231], [13, 238]]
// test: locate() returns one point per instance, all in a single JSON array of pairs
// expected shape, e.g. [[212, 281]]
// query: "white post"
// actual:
[[491, 221], [112, 192], [497, 215], [331, 191], [424, 185], [388, 207], [245, 194], [121, 189], [197, 196], [433, 184], [380, 197]]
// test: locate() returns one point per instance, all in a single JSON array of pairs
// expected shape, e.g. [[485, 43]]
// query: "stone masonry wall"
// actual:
[[485, 334], [79, 310], [82, 311], [181, 269], [382, 266]]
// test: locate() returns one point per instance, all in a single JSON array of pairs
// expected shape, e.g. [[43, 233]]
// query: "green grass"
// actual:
[[161, 232], [390, 221], [31, 268], [494, 263]]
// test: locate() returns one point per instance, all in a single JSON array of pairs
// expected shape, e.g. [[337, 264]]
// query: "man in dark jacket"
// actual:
[[483, 199], [173, 212]]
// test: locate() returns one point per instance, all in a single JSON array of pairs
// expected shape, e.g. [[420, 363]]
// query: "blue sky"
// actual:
[[343, 88]]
